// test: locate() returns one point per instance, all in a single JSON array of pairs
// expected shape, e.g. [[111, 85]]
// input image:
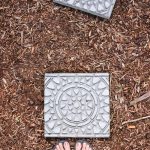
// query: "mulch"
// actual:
[[38, 36]]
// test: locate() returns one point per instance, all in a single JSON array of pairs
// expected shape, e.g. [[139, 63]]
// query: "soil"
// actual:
[[38, 37]]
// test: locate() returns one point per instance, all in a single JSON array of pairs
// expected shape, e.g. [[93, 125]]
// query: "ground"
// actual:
[[38, 36]]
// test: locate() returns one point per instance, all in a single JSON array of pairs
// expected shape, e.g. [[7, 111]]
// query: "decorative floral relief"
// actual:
[[76, 105], [101, 8]]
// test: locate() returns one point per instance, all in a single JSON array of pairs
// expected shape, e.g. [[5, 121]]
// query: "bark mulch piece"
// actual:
[[38, 36]]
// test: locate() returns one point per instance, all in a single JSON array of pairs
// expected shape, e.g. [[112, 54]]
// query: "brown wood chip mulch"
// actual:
[[38, 36]]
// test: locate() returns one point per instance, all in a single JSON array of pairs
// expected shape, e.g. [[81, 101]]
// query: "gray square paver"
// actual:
[[76, 105], [102, 8]]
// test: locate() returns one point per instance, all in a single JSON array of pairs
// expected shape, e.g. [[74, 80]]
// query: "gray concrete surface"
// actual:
[[102, 8], [77, 105]]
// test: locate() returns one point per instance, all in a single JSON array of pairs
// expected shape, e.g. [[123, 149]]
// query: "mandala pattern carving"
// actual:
[[76, 105], [102, 8]]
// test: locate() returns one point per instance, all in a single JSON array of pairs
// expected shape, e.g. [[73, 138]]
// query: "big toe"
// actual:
[[57, 147], [61, 146], [86, 146], [78, 146], [67, 146]]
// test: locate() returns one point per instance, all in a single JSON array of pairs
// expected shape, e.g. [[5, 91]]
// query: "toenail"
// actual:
[[66, 143], [78, 144]]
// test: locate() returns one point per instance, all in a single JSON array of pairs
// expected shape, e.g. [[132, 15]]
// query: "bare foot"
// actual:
[[63, 146], [83, 146]]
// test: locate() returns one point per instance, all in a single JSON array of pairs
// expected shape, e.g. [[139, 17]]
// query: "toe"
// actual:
[[57, 147], [78, 146], [67, 146], [87, 147], [61, 146], [84, 146]]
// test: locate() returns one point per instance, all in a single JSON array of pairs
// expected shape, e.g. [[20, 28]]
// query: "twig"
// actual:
[[22, 38], [135, 120], [143, 97], [1, 8]]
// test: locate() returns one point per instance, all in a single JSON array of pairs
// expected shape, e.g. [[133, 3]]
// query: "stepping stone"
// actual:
[[102, 8], [78, 105]]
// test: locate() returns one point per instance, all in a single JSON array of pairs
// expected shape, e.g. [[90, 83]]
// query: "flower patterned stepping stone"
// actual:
[[79, 107], [102, 8]]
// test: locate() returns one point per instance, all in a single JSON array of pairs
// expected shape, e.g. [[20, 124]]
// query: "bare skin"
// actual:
[[79, 146], [61, 146], [84, 146]]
